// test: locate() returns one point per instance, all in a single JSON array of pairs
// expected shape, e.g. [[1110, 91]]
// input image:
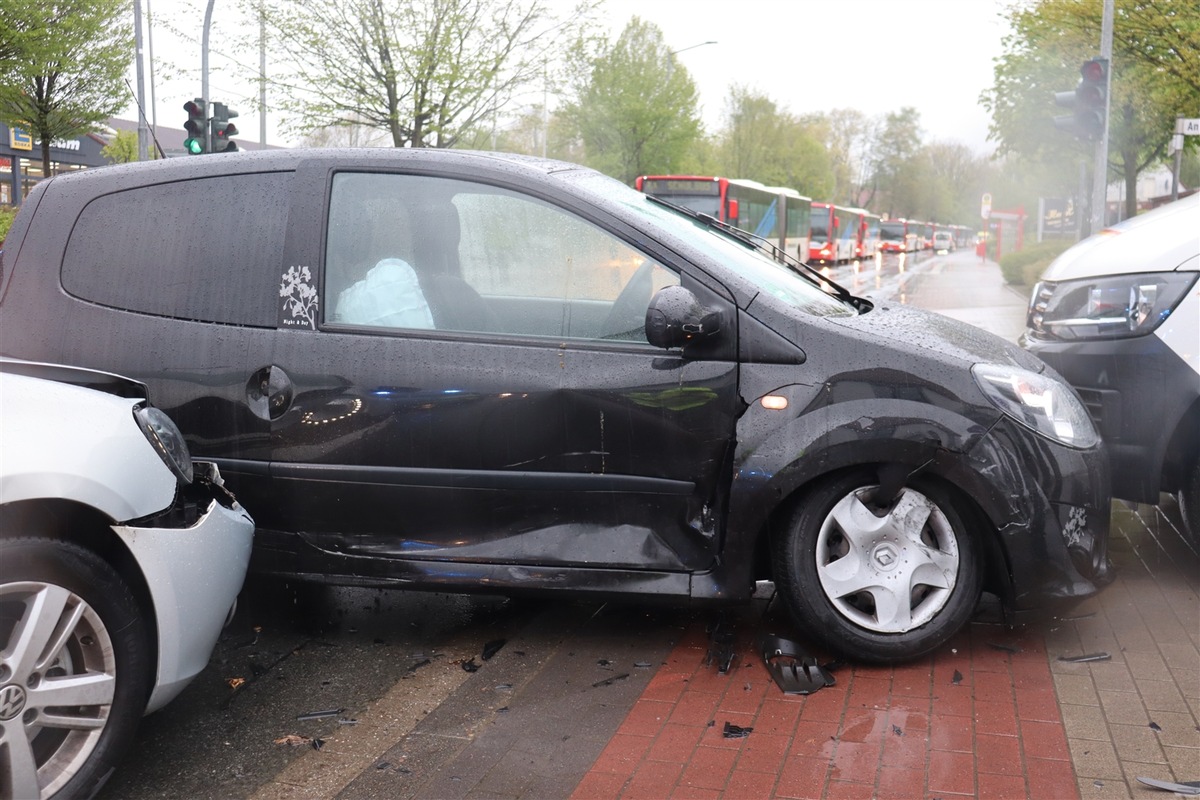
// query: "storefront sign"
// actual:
[[19, 139]]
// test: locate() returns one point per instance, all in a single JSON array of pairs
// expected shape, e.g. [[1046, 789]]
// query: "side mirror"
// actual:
[[675, 317]]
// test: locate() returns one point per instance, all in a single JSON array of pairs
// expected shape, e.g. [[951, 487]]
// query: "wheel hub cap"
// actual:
[[12, 701], [885, 556]]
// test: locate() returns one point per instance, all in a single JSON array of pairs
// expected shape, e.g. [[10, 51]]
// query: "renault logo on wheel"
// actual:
[[12, 701]]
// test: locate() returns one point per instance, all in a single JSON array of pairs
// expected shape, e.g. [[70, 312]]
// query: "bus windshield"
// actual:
[[703, 196], [891, 231]]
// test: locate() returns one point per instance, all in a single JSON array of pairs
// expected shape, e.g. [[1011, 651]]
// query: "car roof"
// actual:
[[184, 167]]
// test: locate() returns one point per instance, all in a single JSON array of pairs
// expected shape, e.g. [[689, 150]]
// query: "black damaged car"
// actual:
[[478, 372]]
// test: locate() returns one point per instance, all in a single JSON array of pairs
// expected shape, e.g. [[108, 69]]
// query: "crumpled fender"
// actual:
[[837, 425]]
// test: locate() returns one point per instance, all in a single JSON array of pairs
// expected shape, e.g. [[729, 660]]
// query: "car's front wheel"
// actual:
[[878, 579], [75, 669]]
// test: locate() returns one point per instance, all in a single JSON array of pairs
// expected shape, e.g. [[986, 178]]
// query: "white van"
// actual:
[[1118, 315]]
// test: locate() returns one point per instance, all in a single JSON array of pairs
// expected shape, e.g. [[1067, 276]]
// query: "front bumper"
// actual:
[[194, 557], [1136, 391], [1051, 507]]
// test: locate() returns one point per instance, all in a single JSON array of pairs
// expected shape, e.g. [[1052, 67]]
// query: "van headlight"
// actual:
[[166, 439], [1106, 308], [1039, 402]]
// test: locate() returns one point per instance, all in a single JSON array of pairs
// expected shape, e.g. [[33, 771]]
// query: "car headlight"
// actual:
[[166, 439], [1039, 402], [1106, 308]]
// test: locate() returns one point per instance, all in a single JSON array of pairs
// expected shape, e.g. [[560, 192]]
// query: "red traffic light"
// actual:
[[1095, 70]]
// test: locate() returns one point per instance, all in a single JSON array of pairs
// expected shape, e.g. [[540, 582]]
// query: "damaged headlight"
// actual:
[[1039, 402], [1106, 308], [166, 439]]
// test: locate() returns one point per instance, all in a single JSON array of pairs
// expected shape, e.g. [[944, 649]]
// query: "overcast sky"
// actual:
[[806, 55]]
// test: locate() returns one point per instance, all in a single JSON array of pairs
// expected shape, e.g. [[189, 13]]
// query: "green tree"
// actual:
[[637, 107], [123, 148], [1155, 75], [425, 71], [62, 66], [897, 172], [761, 142]]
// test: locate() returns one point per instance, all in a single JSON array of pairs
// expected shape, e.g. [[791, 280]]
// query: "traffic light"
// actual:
[[1091, 97], [223, 130], [1090, 101], [196, 126]]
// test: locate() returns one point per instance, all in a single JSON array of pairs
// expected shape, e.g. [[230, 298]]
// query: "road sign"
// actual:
[[1188, 127], [985, 206]]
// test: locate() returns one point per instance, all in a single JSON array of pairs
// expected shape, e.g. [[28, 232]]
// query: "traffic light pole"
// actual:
[[204, 74], [1100, 166]]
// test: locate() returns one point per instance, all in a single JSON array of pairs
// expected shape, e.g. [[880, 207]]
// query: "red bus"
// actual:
[[834, 234], [774, 213], [868, 234], [899, 236]]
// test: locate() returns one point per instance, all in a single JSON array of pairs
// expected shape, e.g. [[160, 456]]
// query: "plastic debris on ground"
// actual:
[[1085, 658], [720, 647], [732, 731], [794, 671], [1184, 787]]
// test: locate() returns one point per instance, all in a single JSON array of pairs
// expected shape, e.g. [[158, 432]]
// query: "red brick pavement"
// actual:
[[977, 719]]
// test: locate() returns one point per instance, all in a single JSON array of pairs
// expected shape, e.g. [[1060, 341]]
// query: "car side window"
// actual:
[[415, 252], [172, 250]]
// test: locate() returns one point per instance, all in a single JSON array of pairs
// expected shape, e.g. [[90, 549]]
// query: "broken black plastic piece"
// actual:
[[720, 645], [491, 648], [1086, 658], [732, 731], [957, 679], [1006, 648], [794, 671], [470, 665], [610, 681]]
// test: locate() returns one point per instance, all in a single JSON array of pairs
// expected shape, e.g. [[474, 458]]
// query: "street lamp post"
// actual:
[[691, 47]]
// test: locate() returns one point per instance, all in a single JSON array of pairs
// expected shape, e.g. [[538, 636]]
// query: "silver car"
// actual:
[[120, 562]]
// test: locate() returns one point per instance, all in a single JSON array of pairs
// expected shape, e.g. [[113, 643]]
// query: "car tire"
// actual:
[[87, 624], [1189, 504], [874, 584]]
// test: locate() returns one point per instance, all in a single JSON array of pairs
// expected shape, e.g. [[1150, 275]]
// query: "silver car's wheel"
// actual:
[[67, 705], [879, 579], [889, 571]]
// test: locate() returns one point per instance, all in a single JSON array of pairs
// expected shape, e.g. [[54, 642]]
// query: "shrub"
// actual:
[[1026, 266], [7, 213]]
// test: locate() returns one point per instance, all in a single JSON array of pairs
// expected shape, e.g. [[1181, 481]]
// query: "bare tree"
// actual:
[[425, 71]]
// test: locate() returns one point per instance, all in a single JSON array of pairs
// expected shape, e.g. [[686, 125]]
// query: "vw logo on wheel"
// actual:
[[12, 701]]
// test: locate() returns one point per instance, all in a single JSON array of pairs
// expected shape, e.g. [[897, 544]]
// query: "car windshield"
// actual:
[[768, 275]]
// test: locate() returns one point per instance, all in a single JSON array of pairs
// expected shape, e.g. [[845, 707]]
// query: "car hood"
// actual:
[[914, 333], [1162, 240]]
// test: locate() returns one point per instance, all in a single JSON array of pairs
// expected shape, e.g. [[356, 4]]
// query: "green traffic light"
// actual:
[[193, 146]]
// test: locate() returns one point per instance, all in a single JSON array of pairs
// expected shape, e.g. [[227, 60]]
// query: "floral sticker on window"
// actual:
[[299, 297]]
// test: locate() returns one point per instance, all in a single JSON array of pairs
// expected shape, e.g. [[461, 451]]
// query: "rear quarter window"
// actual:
[[207, 249]]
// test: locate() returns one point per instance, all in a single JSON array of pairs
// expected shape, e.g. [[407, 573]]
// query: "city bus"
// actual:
[[867, 243], [899, 236], [833, 234], [777, 214], [796, 219]]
